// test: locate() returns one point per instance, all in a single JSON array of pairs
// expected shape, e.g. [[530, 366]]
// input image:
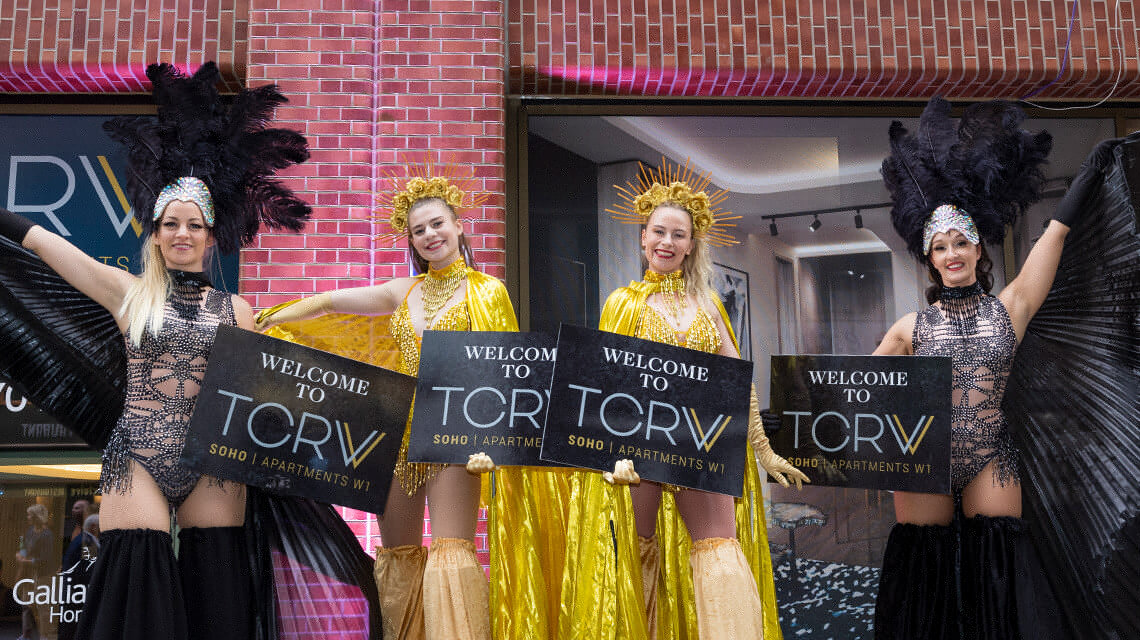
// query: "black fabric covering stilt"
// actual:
[[216, 582], [917, 591], [997, 583], [135, 591]]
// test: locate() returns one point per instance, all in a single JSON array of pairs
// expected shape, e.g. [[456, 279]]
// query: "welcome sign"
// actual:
[[872, 422], [297, 420], [481, 391], [680, 415]]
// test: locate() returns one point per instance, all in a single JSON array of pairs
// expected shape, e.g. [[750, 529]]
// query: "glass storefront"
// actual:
[[49, 537], [819, 270]]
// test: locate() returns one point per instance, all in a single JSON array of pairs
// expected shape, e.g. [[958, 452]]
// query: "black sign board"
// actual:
[[872, 422], [680, 415], [293, 419], [481, 391], [25, 426]]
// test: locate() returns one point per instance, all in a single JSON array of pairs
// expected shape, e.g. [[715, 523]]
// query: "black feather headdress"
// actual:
[[229, 148], [987, 165]]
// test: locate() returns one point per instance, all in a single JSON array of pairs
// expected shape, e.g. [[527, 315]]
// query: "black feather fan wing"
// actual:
[[60, 349], [1074, 406]]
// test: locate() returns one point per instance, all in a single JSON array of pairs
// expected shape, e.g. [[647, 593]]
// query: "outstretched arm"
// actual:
[[103, 283], [371, 300], [1025, 295]]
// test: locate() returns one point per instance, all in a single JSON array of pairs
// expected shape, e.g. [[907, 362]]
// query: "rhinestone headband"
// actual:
[[945, 218], [186, 189]]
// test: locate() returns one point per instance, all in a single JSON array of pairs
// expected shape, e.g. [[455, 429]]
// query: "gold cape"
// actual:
[[527, 506], [601, 585]]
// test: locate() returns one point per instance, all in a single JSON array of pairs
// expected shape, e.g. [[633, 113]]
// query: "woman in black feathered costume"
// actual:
[[959, 566], [200, 174]]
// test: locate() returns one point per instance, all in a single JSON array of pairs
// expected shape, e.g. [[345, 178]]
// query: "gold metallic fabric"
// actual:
[[650, 570], [728, 605], [601, 583], [399, 574], [527, 514], [455, 592]]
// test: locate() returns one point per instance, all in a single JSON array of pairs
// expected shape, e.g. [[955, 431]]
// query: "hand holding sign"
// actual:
[[769, 460], [875, 422], [680, 415]]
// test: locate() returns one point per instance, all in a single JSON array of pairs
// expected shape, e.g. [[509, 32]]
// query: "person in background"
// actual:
[[80, 510]]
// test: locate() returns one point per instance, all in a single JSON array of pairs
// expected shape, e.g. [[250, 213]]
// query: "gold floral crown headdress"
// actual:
[[424, 180], [674, 184]]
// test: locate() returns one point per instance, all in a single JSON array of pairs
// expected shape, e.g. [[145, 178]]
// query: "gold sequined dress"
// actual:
[[414, 475], [602, 593]]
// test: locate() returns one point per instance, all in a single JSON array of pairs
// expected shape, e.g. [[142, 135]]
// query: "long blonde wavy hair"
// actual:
[[145, 302]]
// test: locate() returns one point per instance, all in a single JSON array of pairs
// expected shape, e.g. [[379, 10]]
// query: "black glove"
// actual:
[[1075, 201], [770, 421], [14, 227]]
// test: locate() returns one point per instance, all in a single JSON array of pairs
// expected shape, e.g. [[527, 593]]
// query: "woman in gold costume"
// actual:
[[635, 583], [442, 592]]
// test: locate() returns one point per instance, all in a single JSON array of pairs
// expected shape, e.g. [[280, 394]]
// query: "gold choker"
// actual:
[[439, 286], [671, 286]]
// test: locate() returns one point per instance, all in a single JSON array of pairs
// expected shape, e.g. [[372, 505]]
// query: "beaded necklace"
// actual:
[[671, 286], [439, 286]]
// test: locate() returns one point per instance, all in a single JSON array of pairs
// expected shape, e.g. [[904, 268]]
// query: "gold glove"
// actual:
[[294, 310], [770, 460], [479, 463], [623, 473]]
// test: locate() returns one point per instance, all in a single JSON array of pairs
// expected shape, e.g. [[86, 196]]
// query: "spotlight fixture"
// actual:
[[815, 224], [858, 220], [772, 228]]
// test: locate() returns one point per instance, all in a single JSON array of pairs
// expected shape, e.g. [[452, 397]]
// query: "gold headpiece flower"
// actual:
[[425, 180], [673, 184]]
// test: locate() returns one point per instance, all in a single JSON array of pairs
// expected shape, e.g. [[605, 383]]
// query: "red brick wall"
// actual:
[[810, 48], [372, 83], [94, 46]]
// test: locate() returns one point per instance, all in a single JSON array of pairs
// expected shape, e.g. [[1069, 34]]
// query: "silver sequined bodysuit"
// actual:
[[163, 377], [974, 329]]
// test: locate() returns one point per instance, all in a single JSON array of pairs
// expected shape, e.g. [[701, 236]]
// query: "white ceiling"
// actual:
[[776, 165]]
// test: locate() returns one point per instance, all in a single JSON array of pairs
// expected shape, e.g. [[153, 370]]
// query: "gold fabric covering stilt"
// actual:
[[650, 564], [399, 574], [456, 595], [728, 604]]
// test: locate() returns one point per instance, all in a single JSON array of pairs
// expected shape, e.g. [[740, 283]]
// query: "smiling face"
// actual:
[[667, 238], [434, 232], [183, 236], [955, 258]]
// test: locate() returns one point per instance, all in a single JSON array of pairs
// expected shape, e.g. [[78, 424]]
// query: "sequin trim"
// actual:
[[164, 374], [976, 333], [414, 475]]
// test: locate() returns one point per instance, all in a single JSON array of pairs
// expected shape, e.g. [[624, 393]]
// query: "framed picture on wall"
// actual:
[[732, 287]]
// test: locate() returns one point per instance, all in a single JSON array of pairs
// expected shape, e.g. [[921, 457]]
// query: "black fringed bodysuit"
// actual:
[[974, 329], [164, 374]]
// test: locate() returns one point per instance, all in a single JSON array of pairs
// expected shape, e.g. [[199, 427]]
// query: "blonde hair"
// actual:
[[39, 514], [145, 301]]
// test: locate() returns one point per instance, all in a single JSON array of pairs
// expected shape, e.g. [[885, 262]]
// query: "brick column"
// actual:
[[371, 84]]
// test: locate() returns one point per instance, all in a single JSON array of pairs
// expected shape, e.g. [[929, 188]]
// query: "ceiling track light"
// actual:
[[858, 220], [815, 224], [772, 228]]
